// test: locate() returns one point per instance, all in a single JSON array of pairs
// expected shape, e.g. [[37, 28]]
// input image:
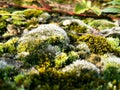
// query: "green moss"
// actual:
[[3, 25], [1, 48], [114, 42], [72, 56], [31, 23], [3, 16], [31, 13], [73, 30], [60, 59], [97, 44], [76, 28], [101, 24], [10, 45]]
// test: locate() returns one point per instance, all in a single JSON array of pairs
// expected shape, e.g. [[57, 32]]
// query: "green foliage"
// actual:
[[97, 44], [84, 5], [113, 7]]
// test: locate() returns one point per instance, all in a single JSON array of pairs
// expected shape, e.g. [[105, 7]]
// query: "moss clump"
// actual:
[[31, 13], [95, 59], [101, 24], [1, 48], [3, 16], [114, 42], [10, 45], [97, 44], [82, 50], [76, 28], [60, 59], [43, 43]]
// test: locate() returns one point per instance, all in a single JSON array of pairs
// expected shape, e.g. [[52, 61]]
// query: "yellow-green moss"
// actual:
[[1, 48], [97, 44], [101, 24], [31, 13], [10, 45], [74, 29], [60, 59], [77, 28]]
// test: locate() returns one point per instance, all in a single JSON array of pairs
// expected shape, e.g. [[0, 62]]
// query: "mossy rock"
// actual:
[[44, 42], [74, 27], [102, 24], [97, 44]]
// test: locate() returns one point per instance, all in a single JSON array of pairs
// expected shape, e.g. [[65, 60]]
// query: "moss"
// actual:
[[76, 28], [114, 42], [82, 49], [10, 45], [1, 48], [3, 25], [60, 60], [31, 23], [31, 13], [95, 59], [97, 44], [49, 41], [101, 24], [73, 37], [72, 56], [3, 16]]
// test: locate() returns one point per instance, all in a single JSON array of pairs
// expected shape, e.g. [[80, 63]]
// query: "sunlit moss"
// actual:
[[76, 28], [10, 45], [31, 13], [43, 43], [97, 44], [1, 48], [102, 24], [60, 59], [3, 16]]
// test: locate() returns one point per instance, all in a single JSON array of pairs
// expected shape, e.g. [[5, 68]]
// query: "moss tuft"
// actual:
[[97, 44]]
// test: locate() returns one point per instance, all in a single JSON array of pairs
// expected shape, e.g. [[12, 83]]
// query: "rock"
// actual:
[[44, 42]]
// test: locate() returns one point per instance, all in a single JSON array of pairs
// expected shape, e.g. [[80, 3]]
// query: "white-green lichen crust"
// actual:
[[46, 39]]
